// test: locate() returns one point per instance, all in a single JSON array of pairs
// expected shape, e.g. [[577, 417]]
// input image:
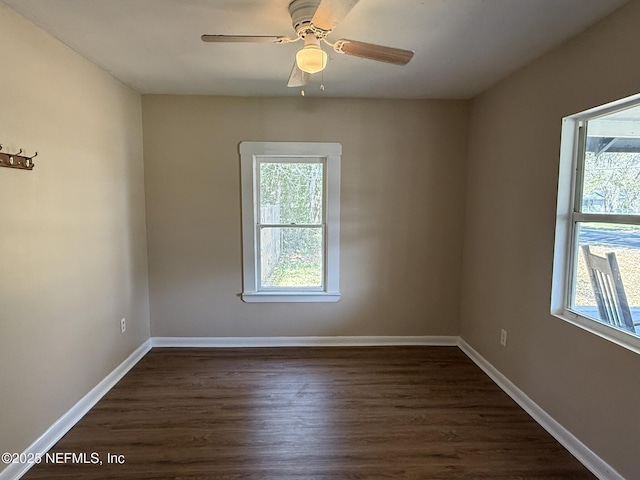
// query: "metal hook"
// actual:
[[34, 156], [16, 154]]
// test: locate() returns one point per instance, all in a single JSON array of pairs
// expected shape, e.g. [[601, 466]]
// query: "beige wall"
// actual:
[[72, 231], [401, 221], [588, 384]]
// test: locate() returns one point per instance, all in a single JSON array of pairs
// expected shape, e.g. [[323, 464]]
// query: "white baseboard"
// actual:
[[227, 342], [61, 426], [583, 454]]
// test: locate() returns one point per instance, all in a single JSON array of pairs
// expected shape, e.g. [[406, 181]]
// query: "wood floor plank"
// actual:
[[310, 413]]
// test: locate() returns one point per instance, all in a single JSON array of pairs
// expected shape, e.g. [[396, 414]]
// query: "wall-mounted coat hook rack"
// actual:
[[16, 160]]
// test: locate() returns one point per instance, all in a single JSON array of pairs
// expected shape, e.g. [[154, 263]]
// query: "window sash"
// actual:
[[292, 160], [259, 280]]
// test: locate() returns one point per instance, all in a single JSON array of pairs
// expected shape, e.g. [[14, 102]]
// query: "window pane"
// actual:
[[291, 257], [612, 164], [599, 292], [291, 193]]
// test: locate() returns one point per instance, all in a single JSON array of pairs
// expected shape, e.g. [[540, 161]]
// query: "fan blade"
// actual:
[[298, 78], [372, 51], [242, 38], [331, 12]]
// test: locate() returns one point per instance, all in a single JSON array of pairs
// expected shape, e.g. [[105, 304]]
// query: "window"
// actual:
[[290, 221], [596, 278]]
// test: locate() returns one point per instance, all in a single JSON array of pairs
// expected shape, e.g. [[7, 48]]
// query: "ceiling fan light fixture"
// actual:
[[311, 59]]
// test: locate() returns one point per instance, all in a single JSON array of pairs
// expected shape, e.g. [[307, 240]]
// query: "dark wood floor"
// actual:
[[310, 413]]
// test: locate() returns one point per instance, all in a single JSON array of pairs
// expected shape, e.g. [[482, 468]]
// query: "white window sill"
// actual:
[[619, 337], [290, 297]]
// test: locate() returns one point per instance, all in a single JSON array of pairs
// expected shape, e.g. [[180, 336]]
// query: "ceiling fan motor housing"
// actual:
[[302, 12]]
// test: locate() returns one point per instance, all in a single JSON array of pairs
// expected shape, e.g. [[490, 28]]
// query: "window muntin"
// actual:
[[599, 214], [291, 224]]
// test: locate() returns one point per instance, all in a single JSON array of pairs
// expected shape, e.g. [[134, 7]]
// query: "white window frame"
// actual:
[[567, 217], [251, 153]]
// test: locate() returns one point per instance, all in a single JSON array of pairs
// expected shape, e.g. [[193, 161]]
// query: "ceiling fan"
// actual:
[[313, 20]]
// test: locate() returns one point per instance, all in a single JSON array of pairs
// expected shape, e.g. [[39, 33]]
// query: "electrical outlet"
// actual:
[[503, 337], [123, 325]]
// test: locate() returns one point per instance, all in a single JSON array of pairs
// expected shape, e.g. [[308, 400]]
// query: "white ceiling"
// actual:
[[461, 46]]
